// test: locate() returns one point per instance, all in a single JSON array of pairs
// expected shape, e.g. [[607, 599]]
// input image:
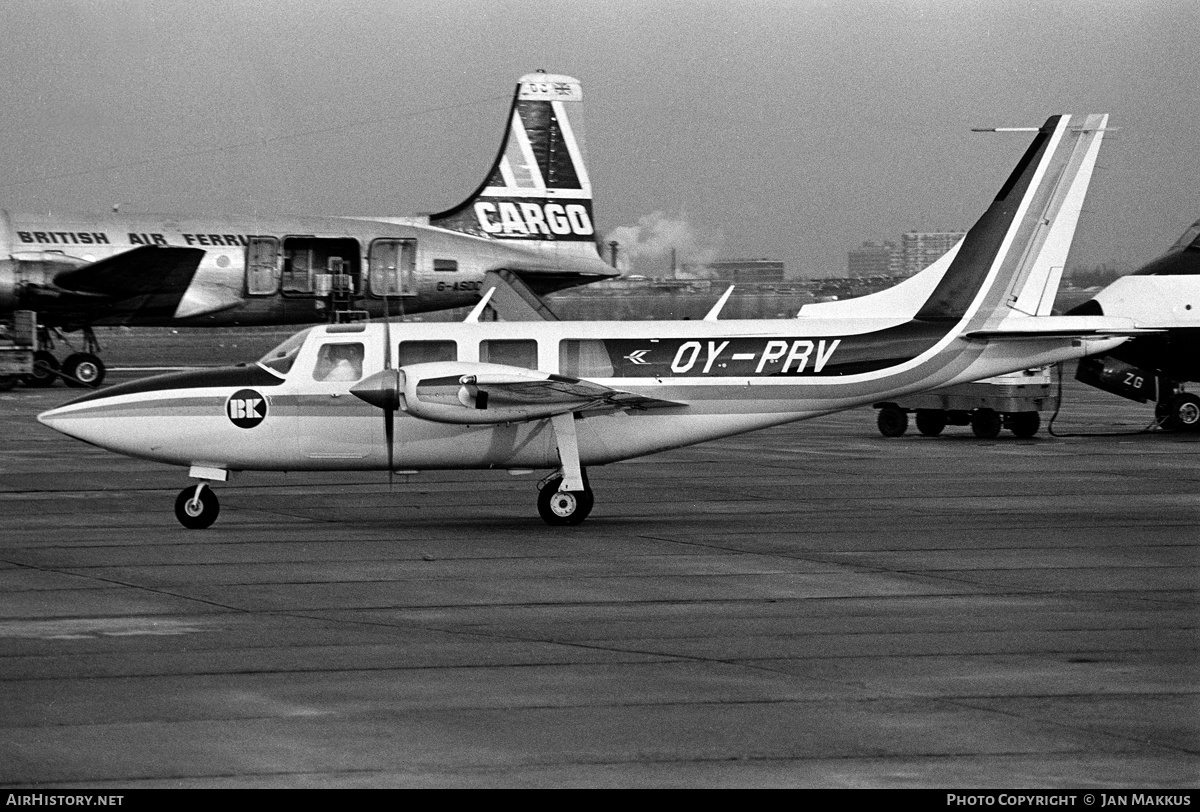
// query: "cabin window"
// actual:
[[515, 353], [339, 362], [449, 265], [423, 352], [584, 358]]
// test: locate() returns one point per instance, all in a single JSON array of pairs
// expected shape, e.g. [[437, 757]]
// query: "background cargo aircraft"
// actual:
[[1164, 293], [566, 395], [532, 216]]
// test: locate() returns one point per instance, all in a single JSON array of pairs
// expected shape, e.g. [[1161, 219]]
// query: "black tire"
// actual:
[[45, 370], [931, 422], [892, 421], [1024, 424], [986, 424], [1184, 414], [564, 508], [197, 514], [7, 382], [83, 370]]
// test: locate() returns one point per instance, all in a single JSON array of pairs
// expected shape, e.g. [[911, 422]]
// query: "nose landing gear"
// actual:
[[197, 507]]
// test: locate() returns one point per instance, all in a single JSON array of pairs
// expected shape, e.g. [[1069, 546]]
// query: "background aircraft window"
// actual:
[[586, 358], [445, 265], [517, 353], [421, 352], [339, 362]]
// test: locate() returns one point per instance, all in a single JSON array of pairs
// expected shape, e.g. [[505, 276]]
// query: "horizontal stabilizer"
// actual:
[[1060, 327], [148, 270]]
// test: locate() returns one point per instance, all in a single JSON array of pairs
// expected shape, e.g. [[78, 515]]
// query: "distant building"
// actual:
[[916, 251], [919, 249], [873, 259], [740, 271]]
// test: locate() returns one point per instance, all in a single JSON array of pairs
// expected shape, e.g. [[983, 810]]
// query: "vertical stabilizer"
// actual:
[[538, 190], [1033, 291]]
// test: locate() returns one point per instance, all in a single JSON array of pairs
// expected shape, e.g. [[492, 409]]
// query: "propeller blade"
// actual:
[[389, 429], [389, 417]]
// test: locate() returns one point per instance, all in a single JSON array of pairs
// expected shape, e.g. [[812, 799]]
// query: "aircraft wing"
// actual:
[[146, 271]]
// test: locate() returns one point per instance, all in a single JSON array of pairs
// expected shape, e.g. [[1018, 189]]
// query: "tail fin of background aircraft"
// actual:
[[538, 191]]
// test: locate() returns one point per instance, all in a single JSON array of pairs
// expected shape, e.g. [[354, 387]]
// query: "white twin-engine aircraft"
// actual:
[[531, 217], [568, 395]]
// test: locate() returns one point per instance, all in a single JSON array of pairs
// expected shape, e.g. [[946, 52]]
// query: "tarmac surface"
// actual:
[[809, 606]]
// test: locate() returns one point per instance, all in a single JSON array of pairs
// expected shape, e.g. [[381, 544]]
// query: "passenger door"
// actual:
[[334, 425]]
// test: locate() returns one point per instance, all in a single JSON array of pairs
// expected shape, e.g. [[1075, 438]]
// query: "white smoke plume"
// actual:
[[646, 248]]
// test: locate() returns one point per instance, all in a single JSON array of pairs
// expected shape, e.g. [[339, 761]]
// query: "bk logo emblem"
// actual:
[[246, 408]]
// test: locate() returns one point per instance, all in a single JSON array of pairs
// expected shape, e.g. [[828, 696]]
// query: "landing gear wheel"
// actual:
[[931, 422], [1025, 424], [892, 421], [986, 424], [197, 507], [45, 370], [562, 508], [83, 370], [1184, 413]]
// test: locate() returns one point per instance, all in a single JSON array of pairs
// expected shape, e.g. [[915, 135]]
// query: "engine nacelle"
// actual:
[[27, 278], [462, 392]]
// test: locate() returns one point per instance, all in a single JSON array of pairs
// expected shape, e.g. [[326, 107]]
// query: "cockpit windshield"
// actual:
[[280, 359]]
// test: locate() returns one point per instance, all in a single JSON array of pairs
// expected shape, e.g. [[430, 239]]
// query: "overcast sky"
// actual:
[[789, 130]]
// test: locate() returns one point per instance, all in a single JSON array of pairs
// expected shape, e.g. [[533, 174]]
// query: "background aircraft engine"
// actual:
[[8, 285], [27, 279]]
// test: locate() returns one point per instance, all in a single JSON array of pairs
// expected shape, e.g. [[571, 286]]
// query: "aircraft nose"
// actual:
[[56, 419]]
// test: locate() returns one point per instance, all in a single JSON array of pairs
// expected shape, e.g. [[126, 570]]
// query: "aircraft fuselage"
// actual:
[[260, 271]]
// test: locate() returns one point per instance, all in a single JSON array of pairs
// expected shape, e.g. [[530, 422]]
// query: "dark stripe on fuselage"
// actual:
[[768, 356], [251, 375]]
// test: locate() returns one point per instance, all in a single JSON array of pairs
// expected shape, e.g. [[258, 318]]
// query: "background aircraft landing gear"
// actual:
[[83, 370], [197, 507], [562, 508], [1180, 413], [892, 421]]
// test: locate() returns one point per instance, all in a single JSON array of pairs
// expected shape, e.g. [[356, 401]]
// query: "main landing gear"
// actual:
[[197, 507], [565, 497], [564, 508]]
